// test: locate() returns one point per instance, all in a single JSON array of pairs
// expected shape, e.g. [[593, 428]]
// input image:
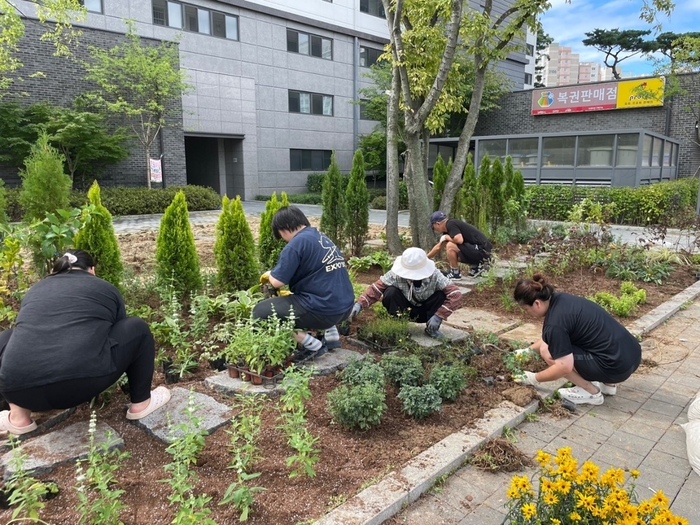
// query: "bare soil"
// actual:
[[349, 462]]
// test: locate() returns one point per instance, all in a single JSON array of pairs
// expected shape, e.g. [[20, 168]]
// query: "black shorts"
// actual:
[[303, 319], [589, 367]]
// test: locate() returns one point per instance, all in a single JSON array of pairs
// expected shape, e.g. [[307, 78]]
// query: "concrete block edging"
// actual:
[[663, 312], [400, 488]]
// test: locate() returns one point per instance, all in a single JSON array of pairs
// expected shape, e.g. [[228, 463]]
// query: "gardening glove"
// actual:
[[283, 293], [434, 323], [355, 310], [444, 238], [265, 278], [524, 353], [527, 378]]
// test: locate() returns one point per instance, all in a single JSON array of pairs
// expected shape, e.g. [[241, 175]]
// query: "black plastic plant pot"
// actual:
[[344, 328], [126, 389], [171, 376], [218, 364]]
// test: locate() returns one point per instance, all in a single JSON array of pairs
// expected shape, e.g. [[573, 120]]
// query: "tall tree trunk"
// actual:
[[393, 240], [420, 202], [454, 179], [148, 166]]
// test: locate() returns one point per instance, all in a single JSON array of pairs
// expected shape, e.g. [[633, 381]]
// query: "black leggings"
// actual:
[[395, 302], [133, 354], [284, 306]]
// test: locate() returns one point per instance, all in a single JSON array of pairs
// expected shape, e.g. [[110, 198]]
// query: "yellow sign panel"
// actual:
[[644, 92]]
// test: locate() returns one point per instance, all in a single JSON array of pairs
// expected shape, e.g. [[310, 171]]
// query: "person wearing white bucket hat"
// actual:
[[415, 286]]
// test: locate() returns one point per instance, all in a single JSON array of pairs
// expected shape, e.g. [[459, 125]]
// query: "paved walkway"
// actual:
[[637, 429]]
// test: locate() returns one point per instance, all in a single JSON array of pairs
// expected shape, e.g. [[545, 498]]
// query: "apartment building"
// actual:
[[565, 68], [275, 85]]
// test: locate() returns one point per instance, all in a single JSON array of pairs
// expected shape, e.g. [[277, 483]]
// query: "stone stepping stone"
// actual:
[[44, 422], [61, 446], [480, 320], [325, 365], [525, 332], [417, 333], [213, 415], [375, 243]]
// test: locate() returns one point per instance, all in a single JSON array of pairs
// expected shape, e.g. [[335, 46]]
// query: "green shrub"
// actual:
[[403, 195], [269, 248], [440, 174], [3, 200], [402, 370], [176, 255], [45, 187], [420, 401], [621, 306], [98, 239], [234, 249], [360, 371], [378, 203], [334, 215], [314, 182], [357, 205], [448, 380], [378, 258], [360, 407]]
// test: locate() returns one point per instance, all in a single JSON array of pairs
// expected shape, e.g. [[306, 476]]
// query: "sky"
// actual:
[[568, 23]]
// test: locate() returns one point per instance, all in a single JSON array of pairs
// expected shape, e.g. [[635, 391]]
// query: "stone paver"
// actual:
[[46, 452], [481, 320], [212, 414], [44, 421], [417, 332], [527, 332]]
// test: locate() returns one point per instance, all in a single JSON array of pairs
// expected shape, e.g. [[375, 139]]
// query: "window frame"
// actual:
[[378, 10], [309, 44], [315, 102], [199, 14], [298, 156], [379, 53], [102, 7]]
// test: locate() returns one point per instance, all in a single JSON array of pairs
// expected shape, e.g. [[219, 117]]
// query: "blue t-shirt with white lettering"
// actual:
[[315, 270]]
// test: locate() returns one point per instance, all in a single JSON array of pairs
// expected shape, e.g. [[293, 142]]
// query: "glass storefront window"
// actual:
[[523, 151], [668, 148], [646, 150], [657, 151], [494, 148], [595, 150], [558, 151], [627, 145], [674, 155]]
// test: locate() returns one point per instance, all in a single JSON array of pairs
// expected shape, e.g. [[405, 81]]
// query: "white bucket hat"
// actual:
[[413, 264]]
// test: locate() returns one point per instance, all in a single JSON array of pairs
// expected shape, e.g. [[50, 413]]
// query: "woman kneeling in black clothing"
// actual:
[[73, 340]]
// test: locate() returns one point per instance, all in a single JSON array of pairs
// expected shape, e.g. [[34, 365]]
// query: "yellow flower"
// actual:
[[529, 510], [543, 457], [563, 486], [555, 521], [575, 516], [585, 502], [513, 493], [550, 499], [634, 473], [659, 499]]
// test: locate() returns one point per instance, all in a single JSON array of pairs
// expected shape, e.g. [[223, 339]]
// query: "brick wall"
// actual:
[[63, 80], [514, 118]]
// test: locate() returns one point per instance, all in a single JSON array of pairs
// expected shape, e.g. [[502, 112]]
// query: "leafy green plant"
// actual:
[[334, 215], [26, 492], [515, 362], [448, 380], [98, 239], [403, 370], [234, 248], [621, 306], [385, 332], [176, 255], [185, 448], [241, 494], [359, 407], [357, 205], [45, 187], [269, 248], [440, 173], [361, 371], [96, 484], [378, 258], [420, 401]]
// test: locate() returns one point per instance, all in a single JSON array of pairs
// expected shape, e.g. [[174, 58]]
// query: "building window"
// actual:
[[194, 19], [595, 150], [309, 159], [94, 6], [363, 110], [558, 151], [369, 56], [306, 44], [528, 78], [627, 146], [530, 49], [310, 103], [372, 7]]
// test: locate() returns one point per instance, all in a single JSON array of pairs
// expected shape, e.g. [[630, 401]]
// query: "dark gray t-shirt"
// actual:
[[62, 332], [573, 321]]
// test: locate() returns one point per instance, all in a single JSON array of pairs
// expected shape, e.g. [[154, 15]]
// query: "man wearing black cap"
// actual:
[[463, 243]]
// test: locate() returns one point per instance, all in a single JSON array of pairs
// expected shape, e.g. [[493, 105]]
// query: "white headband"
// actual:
[[72, 259]]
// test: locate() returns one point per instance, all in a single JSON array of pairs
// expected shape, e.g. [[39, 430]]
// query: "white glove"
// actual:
[[528, 378], [523, 352], [444, 238]]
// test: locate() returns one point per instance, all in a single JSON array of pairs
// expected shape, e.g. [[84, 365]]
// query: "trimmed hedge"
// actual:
[[131, 201], [633, 206]]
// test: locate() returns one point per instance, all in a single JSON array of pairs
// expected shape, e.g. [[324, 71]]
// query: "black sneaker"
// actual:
[[303, 355], [330, 345], [455, 275]]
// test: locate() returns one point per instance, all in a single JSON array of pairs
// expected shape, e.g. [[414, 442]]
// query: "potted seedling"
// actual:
[[273, 342], [384, 333]]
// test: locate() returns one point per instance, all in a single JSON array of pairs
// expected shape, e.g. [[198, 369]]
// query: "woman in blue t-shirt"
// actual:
[[313, 267], [580, 341]]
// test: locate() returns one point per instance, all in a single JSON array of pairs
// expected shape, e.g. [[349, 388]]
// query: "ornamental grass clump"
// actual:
[[569, 495]]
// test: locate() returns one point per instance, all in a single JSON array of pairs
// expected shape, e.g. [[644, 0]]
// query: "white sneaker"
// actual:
[[606, 390], [579, 396]]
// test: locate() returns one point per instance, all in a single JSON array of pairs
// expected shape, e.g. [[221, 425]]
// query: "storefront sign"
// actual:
[[623, 94], [156, 171]]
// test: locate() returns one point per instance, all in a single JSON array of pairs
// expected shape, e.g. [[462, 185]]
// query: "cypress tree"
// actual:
[[357, 203], [269, 248], [467, 207], [98, 239], [508, 190], [496, 203], [176, 255], [234, 248], [439, 179], [482, 194], [45, 188], [333, 218]]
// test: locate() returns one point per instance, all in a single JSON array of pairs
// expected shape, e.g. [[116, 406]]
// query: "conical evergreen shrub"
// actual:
[[98, 239], [269, 248], [45, 188], [234, 249], [333, 217], [496, 202], [357, 203], [439, 180], [176, 255]]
